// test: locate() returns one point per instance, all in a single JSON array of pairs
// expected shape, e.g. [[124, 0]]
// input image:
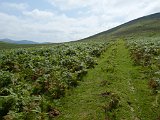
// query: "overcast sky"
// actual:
[[67, 20]]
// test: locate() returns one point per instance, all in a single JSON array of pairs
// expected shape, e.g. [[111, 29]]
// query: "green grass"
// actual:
[[114, 74], [4, 45], [85, 101]]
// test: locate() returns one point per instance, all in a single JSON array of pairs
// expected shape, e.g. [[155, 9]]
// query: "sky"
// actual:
[[67, 20]]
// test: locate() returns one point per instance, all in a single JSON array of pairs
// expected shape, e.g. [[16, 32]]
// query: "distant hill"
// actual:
[[7, 45], [18, 42], [147, 26]]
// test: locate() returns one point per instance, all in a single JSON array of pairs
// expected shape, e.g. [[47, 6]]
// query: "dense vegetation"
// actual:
[[32, 79], [117, 88], [146, 52]]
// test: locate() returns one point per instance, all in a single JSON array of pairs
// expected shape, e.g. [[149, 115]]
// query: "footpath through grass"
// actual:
[[114, 90]]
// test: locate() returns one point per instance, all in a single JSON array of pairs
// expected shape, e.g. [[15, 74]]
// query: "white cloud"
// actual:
[[115, 8], [69, 4], [59, 28], [54, 26], [38, 14]]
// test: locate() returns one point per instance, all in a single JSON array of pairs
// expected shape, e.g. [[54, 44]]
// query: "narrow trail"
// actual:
[[113, 90]]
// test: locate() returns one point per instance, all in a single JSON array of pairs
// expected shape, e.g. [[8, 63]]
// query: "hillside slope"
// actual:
[[147, 26]]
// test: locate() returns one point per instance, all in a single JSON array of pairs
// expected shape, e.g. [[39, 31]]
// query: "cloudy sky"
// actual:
[[67, 20]]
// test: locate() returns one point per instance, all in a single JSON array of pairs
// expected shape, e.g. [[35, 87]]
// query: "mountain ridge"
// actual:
[[18, 42]]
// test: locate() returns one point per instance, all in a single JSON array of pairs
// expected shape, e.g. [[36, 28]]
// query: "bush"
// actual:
[[5, 78]]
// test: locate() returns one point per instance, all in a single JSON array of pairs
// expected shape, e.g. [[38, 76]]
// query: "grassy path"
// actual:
[[114, 90]]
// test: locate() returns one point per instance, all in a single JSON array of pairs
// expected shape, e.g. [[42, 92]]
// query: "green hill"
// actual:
[[147, 26]]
